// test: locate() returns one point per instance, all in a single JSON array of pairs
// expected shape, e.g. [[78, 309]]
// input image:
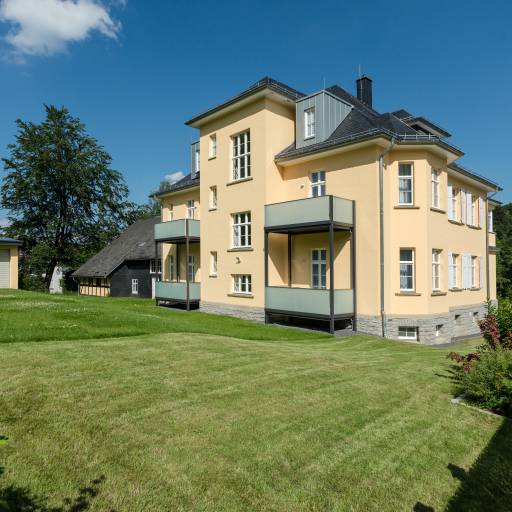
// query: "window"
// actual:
[[171, 267], [469, 209], [242, 229], [191, 209], [171, 212], [197, 157], [474, 211], [453, 203], [213, 198], [458, 320], [213, 146], [436, 270], [241, 156], [435, 189], [317, 182], [490, 221], [475, 317], [135, 286], [191, 268], [318, 268], [242, 284], [309, 123], [407, 270], [439, 327], [155, 266], [408, 333], [405, 184], [474, 275], [213, 263], [453, 270], [471, 271], [481, 212]]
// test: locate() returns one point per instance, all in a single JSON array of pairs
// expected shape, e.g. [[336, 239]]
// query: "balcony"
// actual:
[[177, 291], [311, 213], [309, 302], [176, 230]]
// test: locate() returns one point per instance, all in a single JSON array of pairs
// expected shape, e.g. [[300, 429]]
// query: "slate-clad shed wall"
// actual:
[[329, 113], [121, 279]]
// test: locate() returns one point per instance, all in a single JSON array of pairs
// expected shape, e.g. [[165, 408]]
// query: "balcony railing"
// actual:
[[169, 290], [309, 301], [177, 229], [310, 211]]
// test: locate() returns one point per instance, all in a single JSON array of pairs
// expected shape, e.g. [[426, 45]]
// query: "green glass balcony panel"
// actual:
[[308, 300], [177, 291], [176, 229], [310, 210]]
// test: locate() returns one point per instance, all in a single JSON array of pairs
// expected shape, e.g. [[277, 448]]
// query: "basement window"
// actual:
[[408, 333]]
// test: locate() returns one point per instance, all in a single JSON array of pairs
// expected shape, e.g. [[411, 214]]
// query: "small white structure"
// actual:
[[56, 282]]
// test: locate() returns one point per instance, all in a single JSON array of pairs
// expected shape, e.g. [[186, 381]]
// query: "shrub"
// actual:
[[489, 382]]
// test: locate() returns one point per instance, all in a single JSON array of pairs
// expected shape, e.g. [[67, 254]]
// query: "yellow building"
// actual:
[[318, 207], [9, 256]]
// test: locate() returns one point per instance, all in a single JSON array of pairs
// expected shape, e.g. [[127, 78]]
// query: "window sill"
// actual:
[[242, 180], [310, 137], [406, 207], [438, 294], [212, 158], [408, 294], [241, 295], [474, 227], [456, 222], [455, 289], [212, 209], [212, 275], [241, 249], [438, 210], [475, 289]]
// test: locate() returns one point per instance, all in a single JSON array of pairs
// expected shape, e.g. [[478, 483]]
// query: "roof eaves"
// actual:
[[475, 176]]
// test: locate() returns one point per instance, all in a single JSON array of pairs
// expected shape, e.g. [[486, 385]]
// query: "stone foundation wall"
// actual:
[[245, 312], [457, 323]]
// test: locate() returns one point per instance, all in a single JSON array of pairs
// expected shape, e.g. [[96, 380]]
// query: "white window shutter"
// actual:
[[481, 212], [450, 272], [463, 205], [451, 216], [469, 204], [466, 278], [481, 271]]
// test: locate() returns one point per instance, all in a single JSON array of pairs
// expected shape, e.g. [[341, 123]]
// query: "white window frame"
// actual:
[[213, 263], [191, 268], [436, 188], [406, 178], [317, 184], [135, 287], [309, 123], [410, 263], [453, 271], [242, 284], [469, 209], [319, 263], [490, 220], [197, 158], [213, 197], [241, 156], [436, 270], [191, 209], [213, 146], [474, 267], [171, 212], [241, 229], [408, 332], [155, 266]]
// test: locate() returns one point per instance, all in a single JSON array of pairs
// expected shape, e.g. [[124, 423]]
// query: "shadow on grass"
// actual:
[[19, 499], [488, 483]]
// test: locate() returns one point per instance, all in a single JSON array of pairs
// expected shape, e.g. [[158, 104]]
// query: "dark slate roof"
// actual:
[[187, 181], [135, 243], [5, 240], [474, 175], [265, 83]]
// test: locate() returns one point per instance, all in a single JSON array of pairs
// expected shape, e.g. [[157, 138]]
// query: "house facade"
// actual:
[[127, 267], [319, 207], [9, 258]]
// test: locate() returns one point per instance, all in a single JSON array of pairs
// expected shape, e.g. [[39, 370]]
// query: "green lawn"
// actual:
[[149, 413]]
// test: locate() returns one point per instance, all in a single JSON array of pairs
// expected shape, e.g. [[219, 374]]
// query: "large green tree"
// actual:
[[503, 227], [63, 198]]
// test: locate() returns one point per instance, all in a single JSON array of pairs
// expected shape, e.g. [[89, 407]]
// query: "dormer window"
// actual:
[[309, 123]]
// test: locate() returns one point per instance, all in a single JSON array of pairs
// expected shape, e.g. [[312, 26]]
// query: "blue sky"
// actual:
[[135, 70]]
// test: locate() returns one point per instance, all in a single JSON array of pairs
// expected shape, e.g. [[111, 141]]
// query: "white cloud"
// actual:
[[174, 177], [45, 27]]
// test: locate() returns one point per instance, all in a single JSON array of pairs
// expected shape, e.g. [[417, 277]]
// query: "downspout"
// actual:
[[381, 220]]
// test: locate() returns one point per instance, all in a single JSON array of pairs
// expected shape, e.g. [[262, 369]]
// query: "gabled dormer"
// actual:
[[317, 116]]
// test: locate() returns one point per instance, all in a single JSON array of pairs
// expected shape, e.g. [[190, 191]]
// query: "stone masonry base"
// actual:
[[245, 312], [459, 322]]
